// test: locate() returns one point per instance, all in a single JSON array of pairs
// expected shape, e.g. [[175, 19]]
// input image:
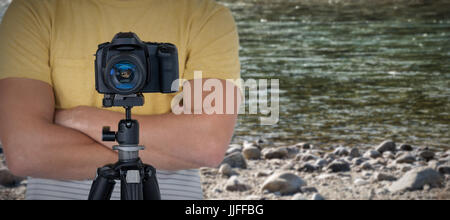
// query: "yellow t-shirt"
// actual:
[[54, 41]]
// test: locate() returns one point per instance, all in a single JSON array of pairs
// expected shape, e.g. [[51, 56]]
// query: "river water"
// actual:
[[350, 73]]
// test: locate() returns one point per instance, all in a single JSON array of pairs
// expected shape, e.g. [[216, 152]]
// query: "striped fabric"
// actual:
[[179, 185]]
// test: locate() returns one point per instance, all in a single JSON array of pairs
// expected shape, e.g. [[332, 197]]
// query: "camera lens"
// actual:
[[124, 72]]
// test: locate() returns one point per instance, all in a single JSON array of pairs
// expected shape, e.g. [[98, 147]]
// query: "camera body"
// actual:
[[128, 66]]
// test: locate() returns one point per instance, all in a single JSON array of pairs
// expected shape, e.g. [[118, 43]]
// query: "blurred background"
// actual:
[[352, 72]]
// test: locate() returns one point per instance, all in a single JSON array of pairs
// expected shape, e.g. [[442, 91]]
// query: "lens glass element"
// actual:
[[124, 72]]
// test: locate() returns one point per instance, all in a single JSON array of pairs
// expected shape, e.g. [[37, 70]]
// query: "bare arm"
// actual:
[[34, 145], [172, 142]]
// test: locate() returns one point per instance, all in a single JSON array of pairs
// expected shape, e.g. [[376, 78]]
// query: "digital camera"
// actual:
[[127, 66]]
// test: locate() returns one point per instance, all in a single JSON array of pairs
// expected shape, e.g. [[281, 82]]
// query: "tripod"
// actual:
[[138, 180]]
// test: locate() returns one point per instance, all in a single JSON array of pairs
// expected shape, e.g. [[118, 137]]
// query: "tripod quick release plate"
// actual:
[[111, 100]]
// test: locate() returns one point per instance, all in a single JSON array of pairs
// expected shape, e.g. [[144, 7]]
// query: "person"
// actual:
[[51, 116]]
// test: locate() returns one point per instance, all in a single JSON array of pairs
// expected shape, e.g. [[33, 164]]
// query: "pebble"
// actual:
[[389, 155], [366, 166], [372, 154], [427, 155], [386, 146], [275, 153], [406, 168], [317, 196], [307, 167], [358, 161], [444, 169], [341, 151], [406, 158], [288, 166], [263, 173], [235, 184], [360, 182], [8, 179], [249, 144], [226, 170], [233, 149], [308, 189], [384, 177], [354, 152], [406, 147], [251, 153], [321, 163], [304, 146], [292, 151], [235, 160], [286, 183], [298, 196], [306, 157], [416, 179], [338, 166]]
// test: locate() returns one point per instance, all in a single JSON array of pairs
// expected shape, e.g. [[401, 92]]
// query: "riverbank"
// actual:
[[388, 171], [258, 170]]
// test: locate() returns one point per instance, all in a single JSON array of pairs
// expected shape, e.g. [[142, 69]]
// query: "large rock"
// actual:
[[338, 166], [386, 146], [235, 160], [235, 184], [251, 153], [415, 180], [286, 183], [8, 179], [275, 153]]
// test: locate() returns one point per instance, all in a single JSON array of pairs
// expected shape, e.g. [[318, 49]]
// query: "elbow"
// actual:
[[18, 169], [215, 154], [17, 160]]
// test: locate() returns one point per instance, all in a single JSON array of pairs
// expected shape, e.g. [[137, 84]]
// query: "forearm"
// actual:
[[56, 152], [172, 142]]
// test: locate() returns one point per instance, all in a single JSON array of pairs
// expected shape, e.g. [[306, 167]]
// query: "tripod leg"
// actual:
[[151, 188], [131, 185], [103, 185]]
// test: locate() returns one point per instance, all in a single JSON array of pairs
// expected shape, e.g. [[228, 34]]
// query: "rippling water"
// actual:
[[350, 73], [354, 74]]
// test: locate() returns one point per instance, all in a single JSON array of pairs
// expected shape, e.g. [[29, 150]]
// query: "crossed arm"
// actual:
[[66, 144]]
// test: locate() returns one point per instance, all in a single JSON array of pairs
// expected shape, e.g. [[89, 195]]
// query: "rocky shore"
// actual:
[[11, 187], [259, 170]]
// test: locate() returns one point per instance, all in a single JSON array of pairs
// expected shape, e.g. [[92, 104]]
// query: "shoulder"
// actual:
[[203, 8], [35, 4], [39, 9]]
